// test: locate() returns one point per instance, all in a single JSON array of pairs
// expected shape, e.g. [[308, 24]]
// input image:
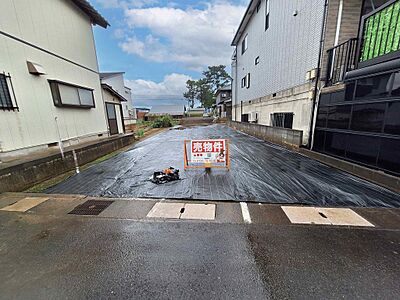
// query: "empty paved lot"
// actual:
[[260, 172]]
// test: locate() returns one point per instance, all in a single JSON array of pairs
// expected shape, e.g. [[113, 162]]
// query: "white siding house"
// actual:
[[277, 43], [49, 70], [117, 82], [114, 103]]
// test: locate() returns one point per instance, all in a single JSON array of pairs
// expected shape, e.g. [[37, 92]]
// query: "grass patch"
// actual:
[[40, 187], [140, 133]]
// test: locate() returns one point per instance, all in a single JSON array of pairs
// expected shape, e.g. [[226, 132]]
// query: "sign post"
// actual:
[[207, 153]]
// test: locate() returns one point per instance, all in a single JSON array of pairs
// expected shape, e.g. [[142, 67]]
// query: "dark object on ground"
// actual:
[[167, 175]]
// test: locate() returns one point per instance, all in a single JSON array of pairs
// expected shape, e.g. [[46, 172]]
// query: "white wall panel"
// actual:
[[287, 50], [58, 26]]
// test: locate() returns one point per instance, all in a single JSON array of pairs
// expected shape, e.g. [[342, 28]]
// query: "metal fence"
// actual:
[[341, 59]]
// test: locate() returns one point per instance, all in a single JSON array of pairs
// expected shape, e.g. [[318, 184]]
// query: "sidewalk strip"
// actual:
[[245, 212], [344, 216], [165, 210], [198, 212], [324, 216], [25, 204]]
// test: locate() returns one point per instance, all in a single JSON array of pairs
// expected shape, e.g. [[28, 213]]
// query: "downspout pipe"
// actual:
[[317, 79]]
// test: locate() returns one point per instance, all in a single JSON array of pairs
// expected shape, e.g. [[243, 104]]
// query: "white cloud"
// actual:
[[126, 3], [193, 37], [147, 92], [142, 3], [150, 48], [109, 3]]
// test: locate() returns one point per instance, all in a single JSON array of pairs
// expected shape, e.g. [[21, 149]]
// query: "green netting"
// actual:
[[395, 45], [367, 39], [381, 33], [385, 29], [392, 29]]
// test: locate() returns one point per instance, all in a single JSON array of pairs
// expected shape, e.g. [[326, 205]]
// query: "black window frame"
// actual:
[[339, 116], [245, 44], [394, 75], [390, 127], [55, 92], [244, 82], [351, 89], [372, 96], [380, 134], [8, 100], [369, 125], [267, 11], [282, 119]]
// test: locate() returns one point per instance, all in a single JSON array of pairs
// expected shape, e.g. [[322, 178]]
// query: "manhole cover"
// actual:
[[91, 207]]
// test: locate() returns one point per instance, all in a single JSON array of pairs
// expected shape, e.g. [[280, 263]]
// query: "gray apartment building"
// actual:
[[275, 59], [329, 68]]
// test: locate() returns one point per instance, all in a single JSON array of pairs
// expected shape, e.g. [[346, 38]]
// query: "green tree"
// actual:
[[216, 77], [205, 95], [191, 93], [204, 89]]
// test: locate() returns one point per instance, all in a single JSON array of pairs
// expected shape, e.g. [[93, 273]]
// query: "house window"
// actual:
[[266, 14], [257, 60], [244, 79], [70, 95], [373, 87], [284, 120], [6, 101], [258, 6], [244, 44], [396, 85]]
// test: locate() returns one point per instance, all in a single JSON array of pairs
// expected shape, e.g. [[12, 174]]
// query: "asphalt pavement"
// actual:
[[80, 257], [260, 172]]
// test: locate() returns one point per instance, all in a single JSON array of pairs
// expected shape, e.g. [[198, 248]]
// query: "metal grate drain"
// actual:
[[91, 207]]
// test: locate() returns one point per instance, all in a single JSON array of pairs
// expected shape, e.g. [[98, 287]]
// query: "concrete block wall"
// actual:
[[22, 176], [286, 137], [297, 100]]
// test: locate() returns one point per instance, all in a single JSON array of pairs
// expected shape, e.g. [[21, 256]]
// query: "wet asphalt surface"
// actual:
[[260, 172], [44, 257]]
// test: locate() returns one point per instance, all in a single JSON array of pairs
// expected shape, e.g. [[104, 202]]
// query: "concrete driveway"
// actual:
[[260, 172]]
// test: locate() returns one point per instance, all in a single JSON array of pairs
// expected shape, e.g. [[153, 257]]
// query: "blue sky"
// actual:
[[161, 44]]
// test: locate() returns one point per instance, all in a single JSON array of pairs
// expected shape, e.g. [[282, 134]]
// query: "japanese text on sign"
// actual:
[[208, 151]]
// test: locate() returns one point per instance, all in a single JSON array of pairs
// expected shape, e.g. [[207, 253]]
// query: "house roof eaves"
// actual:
[[245, 20], [95, 17]]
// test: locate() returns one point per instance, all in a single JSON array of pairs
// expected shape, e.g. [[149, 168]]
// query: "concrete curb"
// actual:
[[22, 176], [378, 177]]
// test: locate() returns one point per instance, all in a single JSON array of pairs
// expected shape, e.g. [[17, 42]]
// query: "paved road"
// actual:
[[261, 172], [71, 257]]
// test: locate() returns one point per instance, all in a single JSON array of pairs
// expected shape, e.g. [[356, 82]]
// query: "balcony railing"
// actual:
[[341, 59], [380, 34], [379, 42]]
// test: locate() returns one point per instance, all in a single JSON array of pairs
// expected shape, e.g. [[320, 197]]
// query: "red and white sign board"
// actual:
[[208, 151], [212, 153]]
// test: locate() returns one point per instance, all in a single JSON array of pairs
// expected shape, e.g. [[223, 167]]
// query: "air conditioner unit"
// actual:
[[313, 74], [253, 117]]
